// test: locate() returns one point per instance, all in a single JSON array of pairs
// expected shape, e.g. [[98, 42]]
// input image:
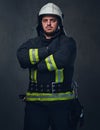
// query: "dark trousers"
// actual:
[[45, 115]]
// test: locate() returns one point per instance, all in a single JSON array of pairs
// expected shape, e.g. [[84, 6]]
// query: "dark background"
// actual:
[[18, 19]]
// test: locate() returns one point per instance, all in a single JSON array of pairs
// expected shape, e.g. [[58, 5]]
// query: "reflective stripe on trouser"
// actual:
[[49, 96]]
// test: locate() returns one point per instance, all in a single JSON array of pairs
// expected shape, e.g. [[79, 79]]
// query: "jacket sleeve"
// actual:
[[29, 54], [64, 56]]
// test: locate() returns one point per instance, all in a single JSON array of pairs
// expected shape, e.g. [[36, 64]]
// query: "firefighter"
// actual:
[[50, 58]]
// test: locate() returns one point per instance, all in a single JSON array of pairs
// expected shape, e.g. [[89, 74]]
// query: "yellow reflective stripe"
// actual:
[[49, 96], [33, 55], [59, 76], [33, 75], [51, 65], [36, 55]]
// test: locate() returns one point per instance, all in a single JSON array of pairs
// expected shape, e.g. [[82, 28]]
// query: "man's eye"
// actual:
[[53, 20], [44, 20]]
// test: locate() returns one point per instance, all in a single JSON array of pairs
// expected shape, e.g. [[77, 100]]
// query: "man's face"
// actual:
[[49, 24]]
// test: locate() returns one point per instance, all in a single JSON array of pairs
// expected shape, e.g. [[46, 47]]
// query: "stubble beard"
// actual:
[[49, 33]]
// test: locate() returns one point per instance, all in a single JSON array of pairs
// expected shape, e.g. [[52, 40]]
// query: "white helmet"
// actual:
[[51, 8]]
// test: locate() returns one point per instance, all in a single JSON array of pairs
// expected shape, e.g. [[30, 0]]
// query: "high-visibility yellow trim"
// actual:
[[50, 62], [36, 55], [59, 76], [33, 75], [49, 96], [33, 56]]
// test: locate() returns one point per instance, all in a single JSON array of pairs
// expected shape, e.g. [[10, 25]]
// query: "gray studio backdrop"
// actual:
[[17, 24]]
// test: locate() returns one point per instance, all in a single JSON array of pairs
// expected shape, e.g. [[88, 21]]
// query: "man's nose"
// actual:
[[48, 22]]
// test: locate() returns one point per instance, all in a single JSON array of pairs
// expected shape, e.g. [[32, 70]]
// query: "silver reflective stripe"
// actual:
[[33, 54]]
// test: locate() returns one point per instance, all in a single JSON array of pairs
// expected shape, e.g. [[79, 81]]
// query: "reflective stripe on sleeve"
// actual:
[[51, 65], [33, 56], [59, 76], [49, 96]]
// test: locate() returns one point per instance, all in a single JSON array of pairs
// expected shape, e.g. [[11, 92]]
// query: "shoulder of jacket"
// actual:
[[68, 39], [32, 40], [36, 39]]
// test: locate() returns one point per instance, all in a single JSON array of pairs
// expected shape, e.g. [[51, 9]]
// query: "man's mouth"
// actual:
[[49, 28]]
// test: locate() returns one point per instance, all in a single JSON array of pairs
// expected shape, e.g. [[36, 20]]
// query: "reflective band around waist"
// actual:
[[49, 96]]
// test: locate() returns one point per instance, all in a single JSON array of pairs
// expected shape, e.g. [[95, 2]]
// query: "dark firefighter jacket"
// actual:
[[49, 60]]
